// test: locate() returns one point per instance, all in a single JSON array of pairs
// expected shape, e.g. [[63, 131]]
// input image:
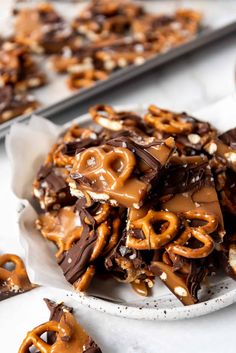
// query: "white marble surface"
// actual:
[[189, 83]]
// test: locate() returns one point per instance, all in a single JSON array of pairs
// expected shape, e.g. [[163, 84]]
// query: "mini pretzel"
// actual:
[[153, 240], [179, 248], [211, 220], [85, 79], [168, 122], [102, 165], [60, 227], [17, 279], [75, 132], [33, 338], [106, 116]]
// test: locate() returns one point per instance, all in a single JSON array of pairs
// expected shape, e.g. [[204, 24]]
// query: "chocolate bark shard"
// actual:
[[51, 188], [42, 29], [14, 103], [184, 174], [74, 147], [176, 283], [197, 192], [18, 68], [74, 263], [56, 313]]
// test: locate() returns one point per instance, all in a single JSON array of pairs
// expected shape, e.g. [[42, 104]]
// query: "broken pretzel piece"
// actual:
[[64, 334], [13, 103], [13, 282], [62, 227]]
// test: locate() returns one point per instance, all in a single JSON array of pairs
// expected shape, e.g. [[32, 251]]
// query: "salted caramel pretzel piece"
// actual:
[[166, 121], [201, 233], [15, 280], [109, 171], [153, 240], [101, 214], [33, 338], [179, 248], [176, 283], [60, 227]]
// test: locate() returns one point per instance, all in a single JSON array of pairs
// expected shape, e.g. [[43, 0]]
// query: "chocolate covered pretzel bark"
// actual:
[[42, 29], [100, 233], [142, 208], [18, 68], [112, 35], [14, 103], [64, 334], [51, 185], [189, 186]]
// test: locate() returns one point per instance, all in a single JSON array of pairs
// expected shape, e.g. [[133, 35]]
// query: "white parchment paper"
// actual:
[[27, 146]]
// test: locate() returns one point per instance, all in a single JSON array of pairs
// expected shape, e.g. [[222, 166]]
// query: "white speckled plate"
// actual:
[[107, 296]]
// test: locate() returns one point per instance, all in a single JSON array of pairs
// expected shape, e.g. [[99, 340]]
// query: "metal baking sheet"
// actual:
[[219, 21]]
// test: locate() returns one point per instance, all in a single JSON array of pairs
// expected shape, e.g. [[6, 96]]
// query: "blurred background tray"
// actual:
[[219, 21]]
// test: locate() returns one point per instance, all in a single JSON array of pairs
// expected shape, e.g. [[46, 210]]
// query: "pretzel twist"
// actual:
[[86, 79], [167, 122], [201, 232], [210, 219], [18, 276], [179, 248], [96, 164], [153, 240], [106, 116], [33, 338], [76, 132]]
